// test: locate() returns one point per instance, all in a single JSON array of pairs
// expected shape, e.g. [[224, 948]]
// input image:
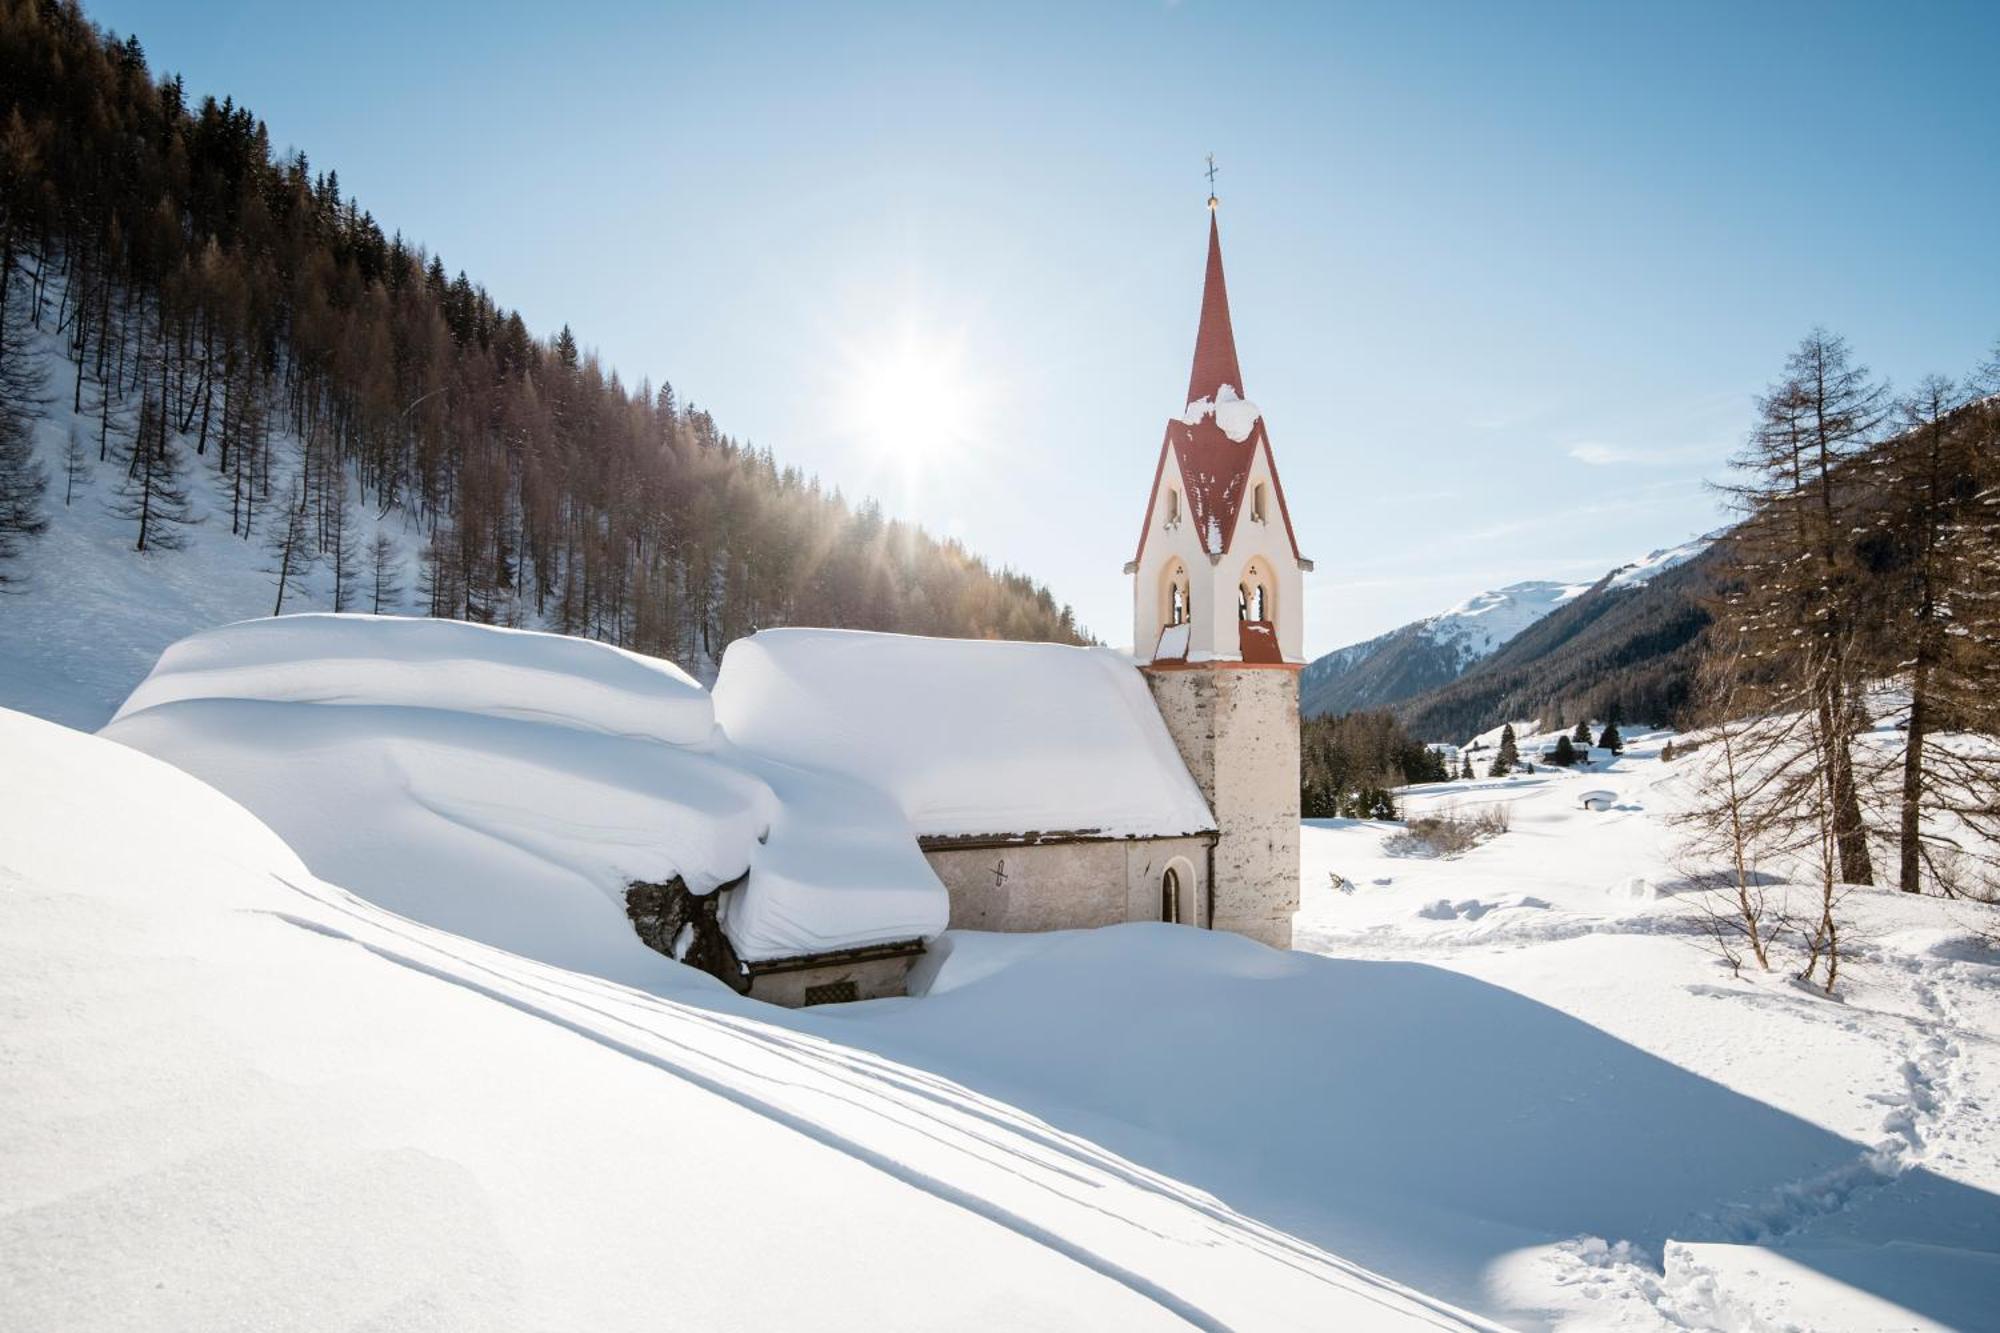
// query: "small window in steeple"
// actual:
[[1173, 506], [1257, 503]]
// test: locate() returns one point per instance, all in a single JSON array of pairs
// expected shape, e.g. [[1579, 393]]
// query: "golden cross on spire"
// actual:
[[1211, 180]]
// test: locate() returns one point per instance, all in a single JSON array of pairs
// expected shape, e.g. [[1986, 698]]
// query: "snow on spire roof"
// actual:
[[1215, 342]]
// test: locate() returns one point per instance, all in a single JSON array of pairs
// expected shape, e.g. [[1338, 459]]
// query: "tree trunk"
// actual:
[[1908, 871], [1850, 833]]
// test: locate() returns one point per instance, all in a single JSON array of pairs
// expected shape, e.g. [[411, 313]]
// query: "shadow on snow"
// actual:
[[1412, 1119]]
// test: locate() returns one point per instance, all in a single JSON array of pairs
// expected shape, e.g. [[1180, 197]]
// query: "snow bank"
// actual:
[[518, 834], [390, 660], [237, 1097], [969, 736], [1237, 416], [509, 786]]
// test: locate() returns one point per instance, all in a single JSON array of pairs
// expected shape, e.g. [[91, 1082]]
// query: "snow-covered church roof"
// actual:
[[508, 785], [972, 737]]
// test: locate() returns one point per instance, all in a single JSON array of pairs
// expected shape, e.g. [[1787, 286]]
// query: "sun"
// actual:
[[911, 403]]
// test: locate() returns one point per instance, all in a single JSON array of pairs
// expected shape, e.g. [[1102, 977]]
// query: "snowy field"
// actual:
[[409, 1066], [1723, 1152], [239, 1097]]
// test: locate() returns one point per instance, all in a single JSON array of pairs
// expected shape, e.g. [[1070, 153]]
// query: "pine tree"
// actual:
[[154, 493], [1797, 608], [1465, 770], [343, 544], [1565, 754], [1609, 739], [1508, 756], [1582, 733], [76, 465], [22, 478], [289, 545], [1937, 522], [386, 587], [22, 483]]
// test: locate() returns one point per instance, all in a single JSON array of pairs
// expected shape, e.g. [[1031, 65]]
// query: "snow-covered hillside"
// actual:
[[86, 616]]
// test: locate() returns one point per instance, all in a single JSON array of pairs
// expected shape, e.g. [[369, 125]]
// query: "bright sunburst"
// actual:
[[911, 401]]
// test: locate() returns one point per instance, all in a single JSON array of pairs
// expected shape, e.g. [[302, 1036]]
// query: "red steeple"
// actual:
[[1215, 342]]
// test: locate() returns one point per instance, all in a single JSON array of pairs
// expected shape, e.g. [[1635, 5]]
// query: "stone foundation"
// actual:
[[874, 979]]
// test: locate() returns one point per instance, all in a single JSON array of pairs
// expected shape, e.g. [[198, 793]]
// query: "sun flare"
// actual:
[[911, 402]]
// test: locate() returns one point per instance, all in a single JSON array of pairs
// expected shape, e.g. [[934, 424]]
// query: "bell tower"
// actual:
[[1218, 624]]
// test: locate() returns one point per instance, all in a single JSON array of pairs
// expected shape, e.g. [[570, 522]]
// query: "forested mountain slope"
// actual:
[[1623, 642], [213, 332], [1427, 653]]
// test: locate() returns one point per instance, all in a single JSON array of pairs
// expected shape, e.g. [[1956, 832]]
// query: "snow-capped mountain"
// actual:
[[1644, 570], [1481, 623], [1437, 650]]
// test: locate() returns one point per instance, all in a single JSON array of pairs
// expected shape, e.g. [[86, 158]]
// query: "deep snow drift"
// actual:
[[507, 786], [239, 1097], [479, 669]]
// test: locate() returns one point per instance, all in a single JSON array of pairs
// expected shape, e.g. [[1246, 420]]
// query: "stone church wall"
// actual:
[[1069, 885]]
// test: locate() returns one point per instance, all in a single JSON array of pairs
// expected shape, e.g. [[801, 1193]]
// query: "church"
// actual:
[[1056, 788], [807, 828]]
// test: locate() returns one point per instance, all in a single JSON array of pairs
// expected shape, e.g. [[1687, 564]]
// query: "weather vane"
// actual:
[[1211, 180]]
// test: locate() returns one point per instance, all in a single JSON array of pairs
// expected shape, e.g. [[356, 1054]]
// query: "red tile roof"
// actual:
[[1215, 342]]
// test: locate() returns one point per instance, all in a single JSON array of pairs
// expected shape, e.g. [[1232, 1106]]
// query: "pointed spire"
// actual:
[[1215, 343]]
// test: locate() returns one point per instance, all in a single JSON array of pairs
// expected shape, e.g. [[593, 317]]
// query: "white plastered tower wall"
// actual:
[[1235, 722], [1260, 546], [1263, 545], [1172, 546]]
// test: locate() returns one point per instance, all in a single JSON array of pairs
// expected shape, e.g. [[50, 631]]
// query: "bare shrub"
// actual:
[[1725, 823], [1448, 832]]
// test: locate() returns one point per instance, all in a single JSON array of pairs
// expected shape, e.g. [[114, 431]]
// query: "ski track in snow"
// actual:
[[977, 1131]]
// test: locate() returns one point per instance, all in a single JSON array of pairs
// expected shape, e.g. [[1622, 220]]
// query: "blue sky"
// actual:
[[1505, 278]]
